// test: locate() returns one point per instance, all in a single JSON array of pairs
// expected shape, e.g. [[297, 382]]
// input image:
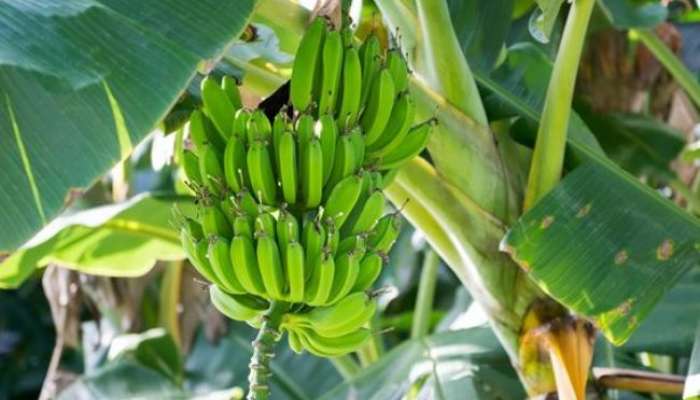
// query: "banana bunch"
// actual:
[[292, 209]]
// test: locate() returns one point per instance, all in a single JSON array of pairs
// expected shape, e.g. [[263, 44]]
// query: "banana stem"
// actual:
[[548, 158], [426, 292], [346, 366], [263, 351]]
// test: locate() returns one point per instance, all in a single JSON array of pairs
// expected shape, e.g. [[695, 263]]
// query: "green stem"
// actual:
[[548, 158], [170, 298], [370, 352], [673, 64], [263, 351], [346, 366], [426, 293]]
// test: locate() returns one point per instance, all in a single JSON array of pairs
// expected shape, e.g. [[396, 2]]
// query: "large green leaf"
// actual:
[[122, 239], [625, 14], [82, 81], [605, 246], [464, 364]]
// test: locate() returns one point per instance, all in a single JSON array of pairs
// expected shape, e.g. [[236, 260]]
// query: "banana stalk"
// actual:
[[263, 351]]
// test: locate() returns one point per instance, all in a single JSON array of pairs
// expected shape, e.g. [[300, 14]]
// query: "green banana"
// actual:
[[270, 265], [332, 347], [347, 268], [351, 89], [370, 55], [245, 203], [287, 162], [327, 132], [218, 106], [259, 128], [415, 141], [201, 250], [237, 307], [379, 105], [294, 265], [313, 238], [245, 265], [371, 210], [190, 164], [354, 243], [211, 170], [230, 86], [280, 125], [240, 125], [332, 237], [344, 163], [396, 129], [235, 164], [287, 229], [342, 199], [346, 316], [306, 65], [312, 173], [358, 145], [266, 224], [398, 68], [193, 229], [370, 268], [384, 234], [305, 128], [294, 342], [261, 174], [331, 65], [214, 222], [190, 248], [202, 132], [243, 225], [220, 260], [321, 281]]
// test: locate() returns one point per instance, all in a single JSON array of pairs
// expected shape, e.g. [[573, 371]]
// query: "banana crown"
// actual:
[[291, 209]]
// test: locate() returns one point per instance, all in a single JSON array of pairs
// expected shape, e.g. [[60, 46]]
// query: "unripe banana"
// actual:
[[287, 162], [344, 163], [280, 125], [270, 265], [287, 229], [384, 234], [245, 264], [332, 347], [347, 268], [307, 65], [214, 222], [348, 315], [370, 268], [312, 173], [245, 203], [351, 89], [201, 250], [259, 128], [314, 236], [332, 64], [265, 224], [355, 243], [400, 122], [230, 86], [414, 142], [190, 248], [371, 210], [235, 164], [332, 237], [243, 225], [305, 129], [240, 125], [237, 307], [342, 199], [294, 342], [321, 282], [261, 173], [398, 68], [379, 105], [190, 164], [370, 55], [358, 145], [193, 229], [220, 259], [294, 265], [218, 106], [327, 132], [202, 132], [211, 171]]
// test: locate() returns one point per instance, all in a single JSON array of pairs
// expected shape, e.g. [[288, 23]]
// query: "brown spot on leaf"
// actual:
[[625, 307], [621, 257], [584, 211], [547, 221], [665, 250]]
